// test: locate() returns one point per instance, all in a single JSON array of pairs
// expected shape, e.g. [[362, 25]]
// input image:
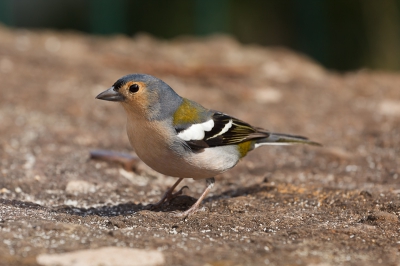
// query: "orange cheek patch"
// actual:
[[142, 86], [137, 101]]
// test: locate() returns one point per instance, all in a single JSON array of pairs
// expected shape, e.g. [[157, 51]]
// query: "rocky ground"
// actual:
[[299, 205]]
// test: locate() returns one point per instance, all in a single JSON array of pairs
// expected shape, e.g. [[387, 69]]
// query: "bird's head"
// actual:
[[144, 96]]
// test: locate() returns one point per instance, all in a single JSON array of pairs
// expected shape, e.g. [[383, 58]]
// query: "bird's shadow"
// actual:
[[179, 203]]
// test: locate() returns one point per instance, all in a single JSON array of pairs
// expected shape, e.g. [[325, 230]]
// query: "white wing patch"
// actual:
[[225, 129], [196, 131]]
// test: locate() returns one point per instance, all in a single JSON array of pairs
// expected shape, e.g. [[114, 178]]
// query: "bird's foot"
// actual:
[[167, 198], [195, 207], [186, 213]]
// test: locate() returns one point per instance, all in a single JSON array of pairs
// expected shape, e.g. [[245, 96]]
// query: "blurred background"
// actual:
[[341, 35]]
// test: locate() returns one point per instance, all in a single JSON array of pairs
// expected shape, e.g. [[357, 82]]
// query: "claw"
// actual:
[[195, 207], [168, 195], [179, 192]]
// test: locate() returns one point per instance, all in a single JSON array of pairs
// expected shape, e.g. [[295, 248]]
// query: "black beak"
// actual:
[[111, 95]]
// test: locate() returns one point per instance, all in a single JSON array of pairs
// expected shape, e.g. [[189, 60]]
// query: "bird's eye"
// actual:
[[133, 88]]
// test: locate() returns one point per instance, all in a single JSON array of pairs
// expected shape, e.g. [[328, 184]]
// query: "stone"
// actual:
[[107, 256]]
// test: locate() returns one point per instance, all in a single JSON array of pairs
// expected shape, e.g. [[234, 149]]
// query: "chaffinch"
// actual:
[[178, 137]]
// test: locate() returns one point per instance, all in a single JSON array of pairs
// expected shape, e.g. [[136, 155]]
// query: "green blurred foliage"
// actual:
[[340, 34]]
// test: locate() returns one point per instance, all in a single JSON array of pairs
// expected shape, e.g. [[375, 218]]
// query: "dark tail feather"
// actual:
[[284, 139]]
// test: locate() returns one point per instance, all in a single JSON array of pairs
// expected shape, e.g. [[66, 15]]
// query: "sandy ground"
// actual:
[[335, 205]]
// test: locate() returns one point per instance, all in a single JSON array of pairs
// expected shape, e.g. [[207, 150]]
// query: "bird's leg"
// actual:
[[169, 195], [210, 183]]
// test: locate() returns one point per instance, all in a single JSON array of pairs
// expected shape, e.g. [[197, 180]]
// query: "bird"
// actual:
[[179, 137]]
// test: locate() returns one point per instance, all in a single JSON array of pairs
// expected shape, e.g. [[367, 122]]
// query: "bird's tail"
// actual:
[[284, 139]]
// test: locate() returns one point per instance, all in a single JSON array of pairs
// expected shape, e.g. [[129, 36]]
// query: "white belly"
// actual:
[[167, 155]]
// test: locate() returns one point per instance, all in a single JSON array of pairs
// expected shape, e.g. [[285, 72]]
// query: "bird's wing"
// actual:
[[219, 129]]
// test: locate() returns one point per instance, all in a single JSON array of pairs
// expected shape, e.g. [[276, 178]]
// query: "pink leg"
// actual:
[[169, 195], [195, 207]]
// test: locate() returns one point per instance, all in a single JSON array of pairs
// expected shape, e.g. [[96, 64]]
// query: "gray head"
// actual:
[[143, 96]]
